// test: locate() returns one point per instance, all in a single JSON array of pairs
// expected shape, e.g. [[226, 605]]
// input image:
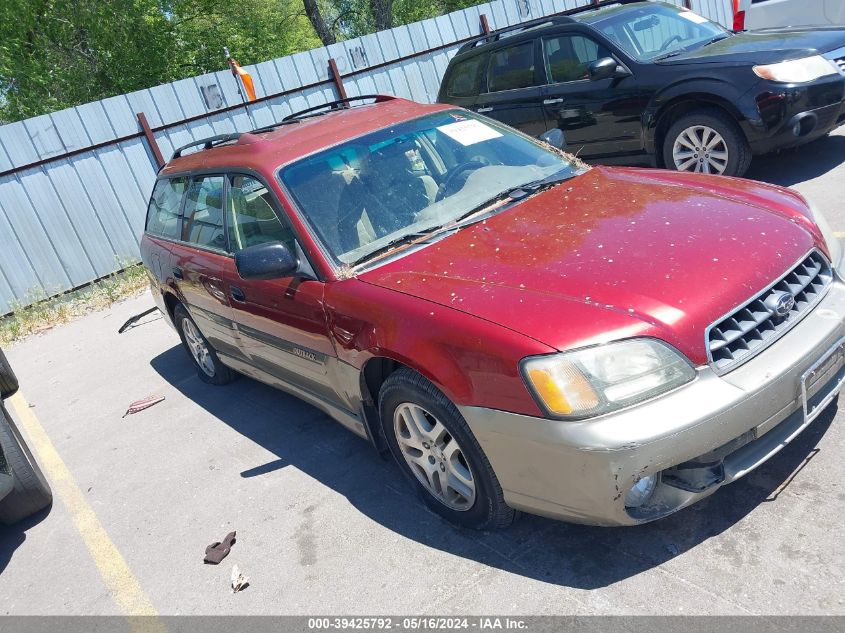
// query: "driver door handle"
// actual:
[[552, 101], [481, 110]]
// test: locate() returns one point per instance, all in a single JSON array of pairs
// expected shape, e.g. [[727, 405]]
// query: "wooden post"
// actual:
[[337, 79], [485, 26], [151, 140]]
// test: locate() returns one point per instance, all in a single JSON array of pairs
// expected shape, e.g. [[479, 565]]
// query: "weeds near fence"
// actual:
[[42, 313]]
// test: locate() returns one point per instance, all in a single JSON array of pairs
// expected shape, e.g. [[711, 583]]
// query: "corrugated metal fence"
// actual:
[[74, 184]]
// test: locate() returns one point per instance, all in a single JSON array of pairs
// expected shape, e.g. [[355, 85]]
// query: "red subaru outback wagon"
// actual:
[[520, 330]]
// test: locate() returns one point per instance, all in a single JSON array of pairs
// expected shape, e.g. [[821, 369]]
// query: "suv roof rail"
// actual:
[[562, 17], [332, 105], [208, 143], [220, 139]]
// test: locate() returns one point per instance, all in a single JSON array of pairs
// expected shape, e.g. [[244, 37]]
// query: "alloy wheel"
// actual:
[[198, 347], [434, 456], [700, 148]]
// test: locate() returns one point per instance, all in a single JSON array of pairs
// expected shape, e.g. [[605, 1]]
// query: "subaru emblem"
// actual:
[[780, 303]]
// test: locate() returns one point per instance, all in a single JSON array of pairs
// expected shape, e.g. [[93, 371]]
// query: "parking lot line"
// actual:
[[124, 587]]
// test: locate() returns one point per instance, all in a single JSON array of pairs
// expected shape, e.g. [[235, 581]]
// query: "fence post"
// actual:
[[337, 79], [151, 140], [485, 26]]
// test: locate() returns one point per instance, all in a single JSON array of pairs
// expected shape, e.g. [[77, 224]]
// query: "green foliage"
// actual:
[[59, 53], [56, 54]]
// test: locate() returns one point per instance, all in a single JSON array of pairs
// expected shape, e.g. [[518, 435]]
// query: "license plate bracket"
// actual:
[[834, 356]]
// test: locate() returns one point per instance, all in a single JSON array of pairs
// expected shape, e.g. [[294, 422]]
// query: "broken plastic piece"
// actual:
[[239, 581], [140, 405]]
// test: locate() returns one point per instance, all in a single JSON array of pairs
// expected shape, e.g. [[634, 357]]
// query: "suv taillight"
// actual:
[[739, 17]]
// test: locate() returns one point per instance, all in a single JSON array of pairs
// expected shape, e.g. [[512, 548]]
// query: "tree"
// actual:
[[324, 32], [59, 53]]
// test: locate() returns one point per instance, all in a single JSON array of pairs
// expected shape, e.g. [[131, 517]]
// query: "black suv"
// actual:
[[648, 82]]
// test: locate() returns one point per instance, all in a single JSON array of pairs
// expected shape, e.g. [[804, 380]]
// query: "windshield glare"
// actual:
[[411, 178], [653, 31]]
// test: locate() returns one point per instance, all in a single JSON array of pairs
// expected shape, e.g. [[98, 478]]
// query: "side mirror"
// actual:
[[605, 68], [266, 261], [554, 137]]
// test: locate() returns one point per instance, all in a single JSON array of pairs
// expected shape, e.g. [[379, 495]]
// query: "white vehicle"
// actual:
[[766, 14]]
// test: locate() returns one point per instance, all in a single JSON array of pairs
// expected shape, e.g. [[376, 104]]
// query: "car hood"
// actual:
[[614, 253], [765, 47]]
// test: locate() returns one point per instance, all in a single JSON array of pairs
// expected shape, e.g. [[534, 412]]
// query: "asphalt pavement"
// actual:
[[326, 526]]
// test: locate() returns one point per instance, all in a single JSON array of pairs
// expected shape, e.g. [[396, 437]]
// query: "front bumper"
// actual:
[[789, 115], [717, 429]]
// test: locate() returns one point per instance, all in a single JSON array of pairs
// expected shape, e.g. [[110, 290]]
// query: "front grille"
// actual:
[[756, 324]]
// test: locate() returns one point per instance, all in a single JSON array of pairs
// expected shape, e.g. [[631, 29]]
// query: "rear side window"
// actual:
[[511, 68], [251, 217], [163, 212], [463, 81], [203, 216]]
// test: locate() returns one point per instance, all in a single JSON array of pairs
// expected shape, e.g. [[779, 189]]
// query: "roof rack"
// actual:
[[208, 143], [332, 105], [220, 139], [562, 17]]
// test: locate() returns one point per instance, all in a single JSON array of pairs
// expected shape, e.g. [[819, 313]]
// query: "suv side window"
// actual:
[[511, 68], [463, 81], [163, 212], [202, 222], [250, 215], [567, 57]]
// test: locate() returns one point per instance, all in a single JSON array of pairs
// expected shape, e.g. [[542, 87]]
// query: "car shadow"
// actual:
[[13, 536], [577, 556], [791, 166]]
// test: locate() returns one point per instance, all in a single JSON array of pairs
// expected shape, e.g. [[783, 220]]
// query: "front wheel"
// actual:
[[435, 448], [707, 141]]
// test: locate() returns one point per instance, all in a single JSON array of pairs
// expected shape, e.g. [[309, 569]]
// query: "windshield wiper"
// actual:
[[516, 193], [393, 244], [686, 49], [713, 40]]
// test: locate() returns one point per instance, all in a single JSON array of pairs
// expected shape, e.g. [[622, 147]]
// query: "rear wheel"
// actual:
[[435, 448], [31, 492], [208, 365], [707, 141]]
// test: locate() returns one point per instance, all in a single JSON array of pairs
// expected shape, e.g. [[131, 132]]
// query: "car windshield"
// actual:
[[658, 30], [412, 178]]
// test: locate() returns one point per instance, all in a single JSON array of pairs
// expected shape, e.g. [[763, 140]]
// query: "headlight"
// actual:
[[796, 70], [834, 246], [601, 379]]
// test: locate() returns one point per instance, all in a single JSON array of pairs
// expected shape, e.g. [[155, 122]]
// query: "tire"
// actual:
[[8, 380], [453, 455], [208, 365], [697, 124], [31, 492]]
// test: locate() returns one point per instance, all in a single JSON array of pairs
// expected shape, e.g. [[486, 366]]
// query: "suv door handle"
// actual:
[[237, 294], [177, 272], [488, 109], [552, 101]]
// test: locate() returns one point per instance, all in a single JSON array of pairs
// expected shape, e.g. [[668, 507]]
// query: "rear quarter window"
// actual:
[[463, 80], [511, 68], [163, 212]]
